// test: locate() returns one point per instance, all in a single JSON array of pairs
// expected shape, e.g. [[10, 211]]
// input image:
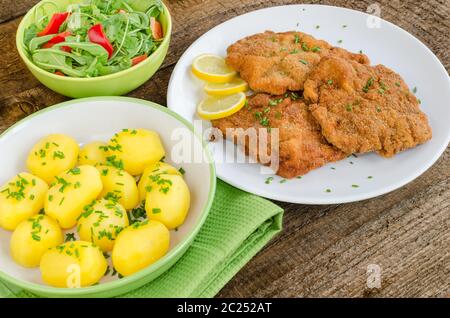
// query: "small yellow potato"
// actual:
[[140, 245], [119, 185], [20, 198], [135, 149], [154, 169], [52, 155], [168, 201], [101, 222], [93, 153], [32, 238], [73, 264], [72, 191]]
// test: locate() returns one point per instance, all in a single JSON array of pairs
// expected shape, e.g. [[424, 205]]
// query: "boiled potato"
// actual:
[[93, 153], [101, 222], [135, 149], [73, 264], [73, 190], [119, 185], [32, 238], [168, 201], [52, 155], [20, 198], [152, 170], [140, 245]]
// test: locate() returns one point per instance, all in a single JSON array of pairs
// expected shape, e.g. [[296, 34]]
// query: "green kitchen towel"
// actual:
[[238, 226]]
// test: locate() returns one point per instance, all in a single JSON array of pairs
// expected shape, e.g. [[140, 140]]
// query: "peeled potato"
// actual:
[[93, 153], [140, 245], [101, 222], [73, 264], [119, 185], [154, 169], [32, 238], [20, 198], [73, 190], [52, 155], [168, 201], [135, 149]]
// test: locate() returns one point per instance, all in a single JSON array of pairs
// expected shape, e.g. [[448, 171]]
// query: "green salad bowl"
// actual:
[[118, 83]]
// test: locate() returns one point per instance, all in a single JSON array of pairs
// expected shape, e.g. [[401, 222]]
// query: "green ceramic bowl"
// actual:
[[114, 84], [84, 120]]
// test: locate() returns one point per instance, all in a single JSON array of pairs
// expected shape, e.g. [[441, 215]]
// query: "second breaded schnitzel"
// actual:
[[277, 62], [361, 108], [301, 147]]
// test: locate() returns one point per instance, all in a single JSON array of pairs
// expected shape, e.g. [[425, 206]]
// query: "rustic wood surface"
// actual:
[[323, 250]]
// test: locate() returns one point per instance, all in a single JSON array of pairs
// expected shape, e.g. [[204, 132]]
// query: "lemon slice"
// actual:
[[215, 107], [212, 68], [235, 86]]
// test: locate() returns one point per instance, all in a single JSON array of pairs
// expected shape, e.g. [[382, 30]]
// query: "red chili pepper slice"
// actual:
[[54, 24], [138, 59], [67, 49], [56, 39], [156, 27], [96, 35], [60, 73]]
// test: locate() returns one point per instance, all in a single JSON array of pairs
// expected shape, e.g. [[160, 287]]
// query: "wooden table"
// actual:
[[323, 250]]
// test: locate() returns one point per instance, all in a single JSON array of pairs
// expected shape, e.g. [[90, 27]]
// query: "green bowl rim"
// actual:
[[30, 64], [105, 287]]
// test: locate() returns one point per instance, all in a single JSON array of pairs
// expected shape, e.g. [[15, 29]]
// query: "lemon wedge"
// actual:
[[215, 107], [219, 89], [212, 68]]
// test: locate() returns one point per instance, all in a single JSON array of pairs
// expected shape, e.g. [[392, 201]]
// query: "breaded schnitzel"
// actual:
[[301, 146], [361, 108], [277, 62]]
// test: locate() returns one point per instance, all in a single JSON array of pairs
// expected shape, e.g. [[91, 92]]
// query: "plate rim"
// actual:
[[322, 201], [117, 285]]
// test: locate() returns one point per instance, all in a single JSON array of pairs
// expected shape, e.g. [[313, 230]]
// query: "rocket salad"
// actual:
[[95, 37]]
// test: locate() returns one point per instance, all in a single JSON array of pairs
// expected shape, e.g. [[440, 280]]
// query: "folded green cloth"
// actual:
[[238, 226]]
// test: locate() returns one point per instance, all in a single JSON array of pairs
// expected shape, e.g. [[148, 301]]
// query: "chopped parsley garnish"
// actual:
[[182, 171], [63, 182], [268, 180], [75, 171], [294, 51], [414, 90], [315, 49], [70, 237], [368, 85], [317, 26], [303, 62], [283, 180], [296, 39], [355, 186], [340, 41], [330, 82], [156, 210], [275, 102], [328, 190], [369, 177], [58, 154], [305, 47], [397, 84], [349, 107]]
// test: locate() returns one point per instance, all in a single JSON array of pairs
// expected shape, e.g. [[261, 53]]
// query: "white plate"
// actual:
[[388, 45], [97, 119]]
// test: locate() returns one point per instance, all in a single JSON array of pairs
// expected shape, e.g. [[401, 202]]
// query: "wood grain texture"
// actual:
[[323, 250]]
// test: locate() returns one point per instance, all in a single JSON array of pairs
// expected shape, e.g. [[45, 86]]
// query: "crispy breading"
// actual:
[[277, 62], [361, 108], [301, 147]]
